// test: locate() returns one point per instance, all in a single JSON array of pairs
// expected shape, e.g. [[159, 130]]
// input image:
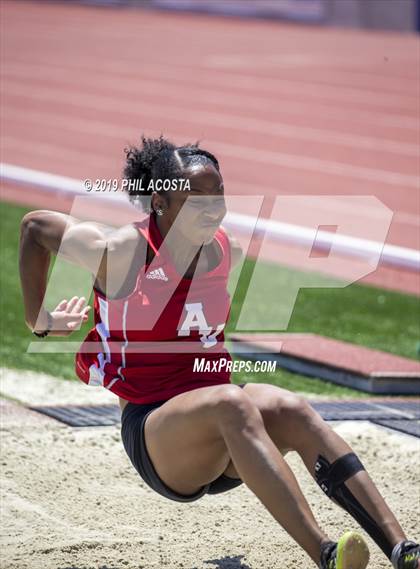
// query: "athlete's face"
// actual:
[[202, 207]]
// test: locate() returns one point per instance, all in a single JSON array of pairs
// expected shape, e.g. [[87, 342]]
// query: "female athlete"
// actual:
[[190, 432]]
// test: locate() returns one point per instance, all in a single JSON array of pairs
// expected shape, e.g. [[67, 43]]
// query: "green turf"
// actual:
[[15, 334], [365, 315]]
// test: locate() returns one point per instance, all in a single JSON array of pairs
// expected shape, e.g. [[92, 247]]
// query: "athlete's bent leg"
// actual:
[[192, 437], [292, 423]]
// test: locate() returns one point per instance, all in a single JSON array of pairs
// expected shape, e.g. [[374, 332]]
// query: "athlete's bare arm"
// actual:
[[90, 245]]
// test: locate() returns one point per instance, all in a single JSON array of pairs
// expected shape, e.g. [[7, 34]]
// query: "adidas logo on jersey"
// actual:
[[157, 274]]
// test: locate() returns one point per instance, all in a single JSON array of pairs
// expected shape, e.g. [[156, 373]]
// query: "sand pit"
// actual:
[[70, 499]]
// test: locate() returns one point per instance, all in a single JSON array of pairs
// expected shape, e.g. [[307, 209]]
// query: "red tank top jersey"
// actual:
[[164, 310]]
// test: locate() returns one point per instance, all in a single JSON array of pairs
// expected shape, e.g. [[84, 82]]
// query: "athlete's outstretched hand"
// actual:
[[67, 316]]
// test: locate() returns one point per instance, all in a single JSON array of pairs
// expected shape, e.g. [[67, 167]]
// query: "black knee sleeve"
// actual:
[[332, 477]]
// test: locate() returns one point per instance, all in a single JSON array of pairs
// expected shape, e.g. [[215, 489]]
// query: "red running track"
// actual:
[[288, 109]]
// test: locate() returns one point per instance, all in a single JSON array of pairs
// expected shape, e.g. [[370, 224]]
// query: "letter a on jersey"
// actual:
[[195, 319]]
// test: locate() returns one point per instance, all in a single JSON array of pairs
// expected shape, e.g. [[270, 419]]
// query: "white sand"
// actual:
[[38, 388], [72, 500]]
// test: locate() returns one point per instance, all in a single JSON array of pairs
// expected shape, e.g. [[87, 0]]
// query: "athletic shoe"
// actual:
[[406, 555], [351, 552]]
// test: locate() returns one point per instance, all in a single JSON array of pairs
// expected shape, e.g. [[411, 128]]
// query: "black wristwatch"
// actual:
[[48, 330]]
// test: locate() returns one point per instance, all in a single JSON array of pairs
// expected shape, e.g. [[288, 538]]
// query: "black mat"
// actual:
[[411, 407], [82, 415], [408, 427], [359, 410], [398, 415]]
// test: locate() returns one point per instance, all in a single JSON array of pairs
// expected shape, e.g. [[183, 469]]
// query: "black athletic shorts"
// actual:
[[132, 434]]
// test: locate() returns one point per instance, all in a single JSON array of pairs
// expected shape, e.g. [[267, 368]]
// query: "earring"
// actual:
[[159, 211], [136, 201]]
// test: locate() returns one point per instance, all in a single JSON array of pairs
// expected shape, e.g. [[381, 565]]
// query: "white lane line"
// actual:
[[131, 85], [187, 75], [298, 162], [219, 95], [71, 157], [392, 255], [238, 122], [343, 65]]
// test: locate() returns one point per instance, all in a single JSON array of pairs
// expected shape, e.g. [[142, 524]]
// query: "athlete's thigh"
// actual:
[[270, 400], [183, 439]]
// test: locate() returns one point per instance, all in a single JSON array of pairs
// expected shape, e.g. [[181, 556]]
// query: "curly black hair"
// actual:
[[158, 158]]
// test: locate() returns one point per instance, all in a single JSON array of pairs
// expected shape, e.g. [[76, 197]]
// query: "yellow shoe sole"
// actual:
[[352, 551]]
